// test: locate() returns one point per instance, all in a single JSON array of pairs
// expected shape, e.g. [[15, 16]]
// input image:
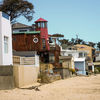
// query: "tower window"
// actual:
[[43, 43], [39, 25]]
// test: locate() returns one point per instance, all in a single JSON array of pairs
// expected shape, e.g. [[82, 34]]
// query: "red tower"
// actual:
[[41, 25]]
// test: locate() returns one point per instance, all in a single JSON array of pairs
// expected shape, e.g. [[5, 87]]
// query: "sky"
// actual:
[[69, 17]]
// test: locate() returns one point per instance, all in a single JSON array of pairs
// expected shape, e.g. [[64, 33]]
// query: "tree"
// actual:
[[72, 41], [58, 35], [77, 41], [91, 44], [64, 41], [98, 45], [16, 8]]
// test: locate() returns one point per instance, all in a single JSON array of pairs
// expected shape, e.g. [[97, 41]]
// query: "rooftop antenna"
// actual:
[[77, 38]]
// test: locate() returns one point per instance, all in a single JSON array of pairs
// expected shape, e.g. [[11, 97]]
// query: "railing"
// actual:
[[26, 60]]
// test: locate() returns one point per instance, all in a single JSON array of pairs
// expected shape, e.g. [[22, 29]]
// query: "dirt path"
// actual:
[[76, 88]]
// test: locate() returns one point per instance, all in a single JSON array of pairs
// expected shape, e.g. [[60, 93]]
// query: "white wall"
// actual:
[[74, 53], [5, 30]]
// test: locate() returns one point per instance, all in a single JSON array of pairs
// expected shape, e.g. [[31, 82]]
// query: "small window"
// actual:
[[80, 54], [22, 30], [50, 40], [70, 55], [51, 58], [42, 25], [39, 25], [5, 44], [43, 43]]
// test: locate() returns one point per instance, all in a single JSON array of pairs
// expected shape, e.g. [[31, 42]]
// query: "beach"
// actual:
[[74, 88]]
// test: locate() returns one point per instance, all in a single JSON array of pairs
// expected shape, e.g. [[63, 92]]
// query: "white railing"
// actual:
[[26, 60]]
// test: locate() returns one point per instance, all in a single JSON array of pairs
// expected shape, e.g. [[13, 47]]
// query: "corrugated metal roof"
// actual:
[[29, 32], [19, 25], [64, 57]]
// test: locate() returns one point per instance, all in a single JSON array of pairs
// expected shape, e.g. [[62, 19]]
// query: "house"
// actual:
[[37, 40], [90, 55], [97, 56], [97, 62], [5, 40], [73, 53], [67, 62], [66, 66], [79, 57], [90, 51]]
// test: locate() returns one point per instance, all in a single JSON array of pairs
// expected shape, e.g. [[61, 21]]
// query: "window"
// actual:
[[80, 54], [23, 30], [51, 58], [43, 43], [39, 25], [70, 55], [5, 15], [42, 25], [5, 44], [50, 40]]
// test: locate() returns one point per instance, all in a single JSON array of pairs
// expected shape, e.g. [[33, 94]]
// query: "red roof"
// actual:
[[41, 20]]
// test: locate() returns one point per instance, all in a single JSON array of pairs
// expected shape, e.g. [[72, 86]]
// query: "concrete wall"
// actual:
[[6, 70], [25, 75], [5, 31], [64, 72], [6, 77]]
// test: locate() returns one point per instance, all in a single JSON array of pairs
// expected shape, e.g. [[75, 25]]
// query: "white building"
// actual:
[[80, 65], [5, 40], [79, 59], [73, 53]]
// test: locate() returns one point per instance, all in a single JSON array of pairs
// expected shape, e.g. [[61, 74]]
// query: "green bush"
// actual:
[[96, 71]]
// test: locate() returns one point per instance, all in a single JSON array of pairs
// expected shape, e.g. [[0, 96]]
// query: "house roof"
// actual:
[[29, 32], [65, 57], [41, 20], [19, 25], [83, 46]]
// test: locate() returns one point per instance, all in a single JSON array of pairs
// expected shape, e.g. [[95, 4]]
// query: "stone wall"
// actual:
[[64, 72]]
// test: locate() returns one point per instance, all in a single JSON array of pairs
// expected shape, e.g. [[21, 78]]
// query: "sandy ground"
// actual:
[[76, 88]]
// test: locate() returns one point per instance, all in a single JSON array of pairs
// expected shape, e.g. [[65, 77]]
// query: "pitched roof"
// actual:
[[83, 46], [41, 20], [20, 25]]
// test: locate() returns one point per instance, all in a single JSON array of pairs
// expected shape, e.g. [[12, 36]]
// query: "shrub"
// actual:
[[44, 77], [96, 71]]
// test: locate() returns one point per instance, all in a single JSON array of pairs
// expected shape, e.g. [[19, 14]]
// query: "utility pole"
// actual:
[[77, 38]]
